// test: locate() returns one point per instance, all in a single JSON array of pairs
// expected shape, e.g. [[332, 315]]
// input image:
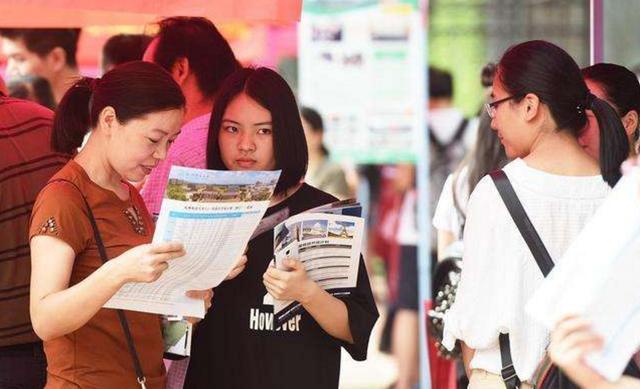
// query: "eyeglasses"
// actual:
[[492, 106]]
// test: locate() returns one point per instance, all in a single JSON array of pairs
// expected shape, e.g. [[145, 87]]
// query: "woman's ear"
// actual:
[[630, 122], [530, 106], [107, 120]]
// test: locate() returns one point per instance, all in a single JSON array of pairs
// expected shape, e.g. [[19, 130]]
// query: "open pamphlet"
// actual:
[[598, 279], [213, 213], [328, 241]]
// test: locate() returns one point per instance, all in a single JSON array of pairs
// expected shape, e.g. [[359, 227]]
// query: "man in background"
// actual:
[[123, 48], [199, 59], [49, 53], [26, 164]]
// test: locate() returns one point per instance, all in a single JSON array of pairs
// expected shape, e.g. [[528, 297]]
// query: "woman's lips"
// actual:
[[147, 169], [245, 162]]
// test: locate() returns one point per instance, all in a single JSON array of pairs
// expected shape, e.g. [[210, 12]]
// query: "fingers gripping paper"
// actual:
[[213, 213]]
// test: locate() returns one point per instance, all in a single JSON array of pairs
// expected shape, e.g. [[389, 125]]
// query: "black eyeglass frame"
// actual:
[[492, 106]]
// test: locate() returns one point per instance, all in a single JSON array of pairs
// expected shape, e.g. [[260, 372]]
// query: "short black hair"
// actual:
[[440, 83], [42, 40], [123, 48], [312, 117], [198, 40], [272, 92], [487, 74], [33, 88]]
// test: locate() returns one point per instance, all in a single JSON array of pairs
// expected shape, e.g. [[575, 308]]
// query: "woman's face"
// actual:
[[589, 138], [508, 122], [246, 136], [138, 145]]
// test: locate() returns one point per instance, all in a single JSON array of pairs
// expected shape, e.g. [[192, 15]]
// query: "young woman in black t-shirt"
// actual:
[[255, 125]]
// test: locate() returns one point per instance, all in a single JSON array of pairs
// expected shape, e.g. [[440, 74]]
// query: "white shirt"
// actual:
[[500, 274], [446, 216], [445, 121], [408, 225]]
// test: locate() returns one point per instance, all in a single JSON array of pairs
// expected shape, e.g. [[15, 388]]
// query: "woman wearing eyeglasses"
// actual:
[[539, 107]]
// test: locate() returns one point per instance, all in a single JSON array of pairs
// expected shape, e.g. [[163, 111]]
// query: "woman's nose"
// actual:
[[246, 142]]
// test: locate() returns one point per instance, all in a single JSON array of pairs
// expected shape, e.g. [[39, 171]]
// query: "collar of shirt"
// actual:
[[198, 122]]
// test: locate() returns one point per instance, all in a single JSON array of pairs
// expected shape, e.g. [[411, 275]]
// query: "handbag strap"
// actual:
[[103, 256], [520, 217], [540, 254]]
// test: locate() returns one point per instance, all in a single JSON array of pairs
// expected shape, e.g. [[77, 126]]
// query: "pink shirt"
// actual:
[[189, 149]]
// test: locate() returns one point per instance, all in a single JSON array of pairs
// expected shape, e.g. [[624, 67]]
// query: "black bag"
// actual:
[[444, 287], [548, 375]]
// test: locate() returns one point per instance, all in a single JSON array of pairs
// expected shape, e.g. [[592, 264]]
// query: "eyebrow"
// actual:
[[255, 124], [166, 133]]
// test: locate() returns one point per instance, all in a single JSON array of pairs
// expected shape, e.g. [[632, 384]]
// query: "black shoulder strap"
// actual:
[[540, 254], [440, 146], [519, 216], [103, 256], [462, 127]]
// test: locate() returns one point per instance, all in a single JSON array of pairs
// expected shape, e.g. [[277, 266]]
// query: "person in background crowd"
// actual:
[[123, 48], [255, 125], [33, 88], [27, 161], [134, 113], [487, 155], [451, 211], [619, 87], [322, 173], [404, 334], [539, 108], [198, 58], [49, 53], [450, 136]]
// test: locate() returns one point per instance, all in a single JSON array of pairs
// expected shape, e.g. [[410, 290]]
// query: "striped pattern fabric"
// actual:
[[26, 164]]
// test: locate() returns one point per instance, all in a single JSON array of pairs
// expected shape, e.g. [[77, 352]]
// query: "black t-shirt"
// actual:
[[237, 347]]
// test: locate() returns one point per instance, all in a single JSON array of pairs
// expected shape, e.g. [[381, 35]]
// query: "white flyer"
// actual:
[[598, 279], [213, 213], [328, 245]]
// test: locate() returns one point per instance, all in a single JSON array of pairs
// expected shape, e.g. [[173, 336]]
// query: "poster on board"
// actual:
[[361, 66]]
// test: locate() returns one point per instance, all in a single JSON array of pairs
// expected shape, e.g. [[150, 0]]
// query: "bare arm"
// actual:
[[330, 312], [467, 356], [445, 238], [57, 309]]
